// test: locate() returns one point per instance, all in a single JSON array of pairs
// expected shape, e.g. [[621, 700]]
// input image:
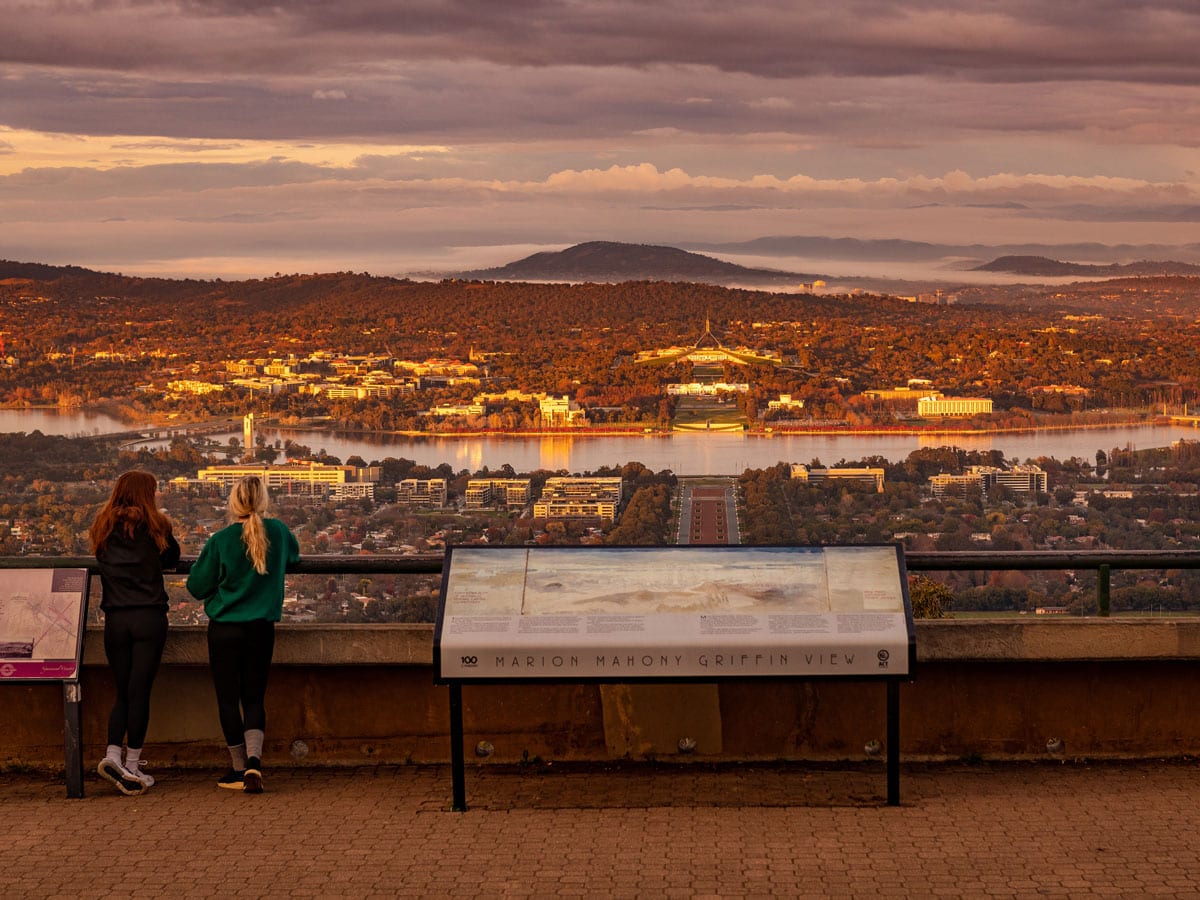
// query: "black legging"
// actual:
[[133, 642], [239, 655]]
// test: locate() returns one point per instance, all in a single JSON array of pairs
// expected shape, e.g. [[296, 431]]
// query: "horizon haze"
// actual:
[[238, 140]]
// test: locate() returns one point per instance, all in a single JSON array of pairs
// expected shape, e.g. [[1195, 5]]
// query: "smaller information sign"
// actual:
[[42, 617], [628, 613]]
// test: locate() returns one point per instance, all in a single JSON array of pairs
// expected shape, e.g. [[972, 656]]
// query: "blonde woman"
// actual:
[[239, 576]]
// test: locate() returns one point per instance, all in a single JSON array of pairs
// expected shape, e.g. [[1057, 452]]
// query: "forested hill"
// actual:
[[84, 336], [612, 262], [357, 313], [11, 270], [351, 312], [1041, 266]]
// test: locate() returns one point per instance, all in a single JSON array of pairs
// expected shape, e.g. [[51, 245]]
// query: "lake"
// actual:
[[67, 422], [682, 453]]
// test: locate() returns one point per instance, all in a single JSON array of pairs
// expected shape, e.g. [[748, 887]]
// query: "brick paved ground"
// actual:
[[1011, 830]]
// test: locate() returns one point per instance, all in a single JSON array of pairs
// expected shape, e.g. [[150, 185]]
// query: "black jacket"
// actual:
[[131, 569]]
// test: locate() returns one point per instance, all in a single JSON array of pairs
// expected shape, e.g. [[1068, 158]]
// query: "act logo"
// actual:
[[883, 656]]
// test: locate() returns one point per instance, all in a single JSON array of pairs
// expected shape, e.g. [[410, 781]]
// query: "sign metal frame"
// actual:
[[49, 608], [753, 610]]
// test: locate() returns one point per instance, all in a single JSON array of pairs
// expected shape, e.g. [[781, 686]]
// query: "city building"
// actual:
[[561, 411], [708, 350], [439, 367], [707, 389], [785, 401], [510, 396], [306, 477], [953, 406], [263, 385], [352, 490], [909, 393], [369, 387], [566, 497], [872, 475], [192, 386], [457, 409], [422, 491], [1022, 479], [943, 482], [242, 367], [511, 493]]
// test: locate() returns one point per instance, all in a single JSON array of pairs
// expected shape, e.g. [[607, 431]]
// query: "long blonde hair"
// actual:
[[247, 504]]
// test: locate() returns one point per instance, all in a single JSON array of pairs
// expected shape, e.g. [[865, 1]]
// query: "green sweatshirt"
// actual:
[[224, 578]]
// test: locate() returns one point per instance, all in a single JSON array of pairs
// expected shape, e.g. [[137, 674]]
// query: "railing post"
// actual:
[[1102, 590], [458, 763]]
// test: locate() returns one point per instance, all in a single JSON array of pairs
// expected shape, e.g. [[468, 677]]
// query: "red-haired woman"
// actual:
[[133, 543]]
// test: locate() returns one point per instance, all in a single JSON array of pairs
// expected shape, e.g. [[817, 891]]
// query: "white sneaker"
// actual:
[[145, 778], [120, 777]]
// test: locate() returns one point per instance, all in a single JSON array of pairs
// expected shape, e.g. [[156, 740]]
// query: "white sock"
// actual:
[[254, 743], [133, 759], [238, 755], [114, 753]]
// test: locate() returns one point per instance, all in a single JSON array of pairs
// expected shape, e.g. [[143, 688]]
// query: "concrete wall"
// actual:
[[359, 694]]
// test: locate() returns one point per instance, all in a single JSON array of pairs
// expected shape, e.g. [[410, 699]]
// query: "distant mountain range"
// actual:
[[605, 261], [1054, 268], [612, 261], [889, 250]]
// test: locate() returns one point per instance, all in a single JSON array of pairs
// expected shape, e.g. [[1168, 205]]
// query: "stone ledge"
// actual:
[[941, 640], [1057, 640]]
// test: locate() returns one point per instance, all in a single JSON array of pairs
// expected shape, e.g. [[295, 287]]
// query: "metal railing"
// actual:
[[423, 564], [1101, 561]]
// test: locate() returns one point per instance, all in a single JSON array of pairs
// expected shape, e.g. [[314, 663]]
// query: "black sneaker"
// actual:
[[252, 777], [232, 780], [120, 777]]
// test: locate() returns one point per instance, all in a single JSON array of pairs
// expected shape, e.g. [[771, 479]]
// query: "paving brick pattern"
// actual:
[[1003, 830]]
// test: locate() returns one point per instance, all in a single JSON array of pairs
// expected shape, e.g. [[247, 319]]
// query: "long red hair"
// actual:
[[131, 504]]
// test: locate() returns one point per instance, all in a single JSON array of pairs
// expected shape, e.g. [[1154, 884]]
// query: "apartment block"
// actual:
[[566, 497], [943, 482], [1023, 479], [511, 493], [422, 491]]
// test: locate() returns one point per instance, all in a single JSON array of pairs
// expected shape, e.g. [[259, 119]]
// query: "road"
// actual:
[[708, 511]]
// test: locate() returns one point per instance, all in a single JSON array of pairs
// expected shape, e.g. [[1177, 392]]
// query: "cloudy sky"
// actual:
[[238, 137]]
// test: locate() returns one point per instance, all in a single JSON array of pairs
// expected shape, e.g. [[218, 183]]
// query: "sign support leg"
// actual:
[[457, 760], [893, 743], [73, 738]]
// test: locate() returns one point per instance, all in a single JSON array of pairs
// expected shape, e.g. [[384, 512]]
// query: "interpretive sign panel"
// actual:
[[628, 613], [42, 617]]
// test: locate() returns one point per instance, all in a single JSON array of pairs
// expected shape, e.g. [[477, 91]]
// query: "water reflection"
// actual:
[[723, 453], [555, 452]]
